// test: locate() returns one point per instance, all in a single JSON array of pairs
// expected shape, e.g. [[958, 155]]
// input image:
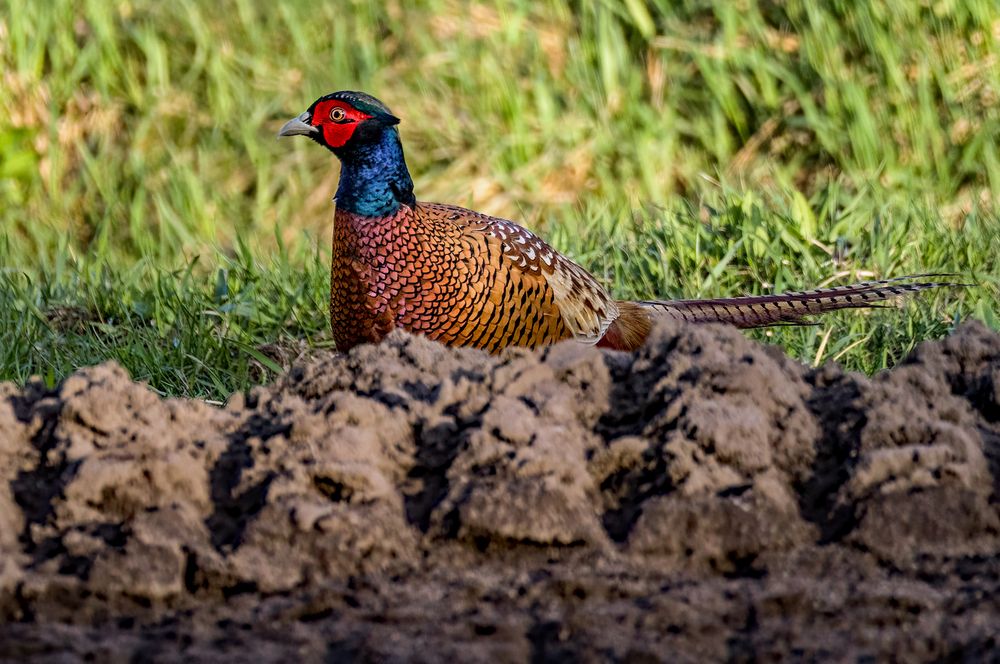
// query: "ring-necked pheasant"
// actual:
[[468, 279]]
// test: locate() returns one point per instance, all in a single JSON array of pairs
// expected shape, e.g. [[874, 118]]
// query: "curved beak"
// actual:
[[298, 127]]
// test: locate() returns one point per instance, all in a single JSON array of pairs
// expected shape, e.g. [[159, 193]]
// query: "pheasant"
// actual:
[[468, 279]]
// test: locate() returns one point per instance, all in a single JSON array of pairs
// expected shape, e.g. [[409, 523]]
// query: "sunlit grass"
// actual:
[[676, 149]]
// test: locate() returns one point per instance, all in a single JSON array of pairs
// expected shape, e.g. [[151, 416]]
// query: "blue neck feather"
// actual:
[[374, 181]]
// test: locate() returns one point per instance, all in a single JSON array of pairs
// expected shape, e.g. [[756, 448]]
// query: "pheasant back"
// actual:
[[439, 271]]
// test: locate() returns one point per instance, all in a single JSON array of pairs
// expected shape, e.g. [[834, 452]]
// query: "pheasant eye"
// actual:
[[338, 114]]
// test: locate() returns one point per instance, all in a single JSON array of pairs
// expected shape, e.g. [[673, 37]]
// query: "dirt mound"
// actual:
[[704, 498]]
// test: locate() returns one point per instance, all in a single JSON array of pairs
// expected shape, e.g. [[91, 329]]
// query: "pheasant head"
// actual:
[[361, 131]]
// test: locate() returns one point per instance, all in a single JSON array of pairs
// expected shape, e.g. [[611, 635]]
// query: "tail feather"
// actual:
[[791, 308]]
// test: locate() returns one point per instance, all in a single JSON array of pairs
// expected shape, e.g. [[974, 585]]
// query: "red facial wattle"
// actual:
[[336, 133]]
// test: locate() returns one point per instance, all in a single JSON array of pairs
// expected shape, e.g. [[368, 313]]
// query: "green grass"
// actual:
[[676, 149]]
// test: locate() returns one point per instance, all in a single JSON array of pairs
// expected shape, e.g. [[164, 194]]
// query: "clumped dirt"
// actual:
[[705, 498]]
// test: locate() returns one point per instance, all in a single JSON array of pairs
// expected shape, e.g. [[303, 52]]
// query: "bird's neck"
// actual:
[[374, 181]]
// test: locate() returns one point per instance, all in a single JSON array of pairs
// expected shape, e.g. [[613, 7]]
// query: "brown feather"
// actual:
[[630, 329], [789, 308]]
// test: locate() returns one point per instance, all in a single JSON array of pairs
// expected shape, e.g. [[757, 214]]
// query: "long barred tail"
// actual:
[[791, 308]]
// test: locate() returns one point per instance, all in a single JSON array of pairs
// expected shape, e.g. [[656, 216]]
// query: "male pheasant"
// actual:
[[468, 279]]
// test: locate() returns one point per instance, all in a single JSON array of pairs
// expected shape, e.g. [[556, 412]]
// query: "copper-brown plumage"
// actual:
[[440, 271], [468, 279]]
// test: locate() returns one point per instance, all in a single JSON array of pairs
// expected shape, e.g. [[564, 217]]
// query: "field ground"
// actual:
[[705, 500], [149, 215]]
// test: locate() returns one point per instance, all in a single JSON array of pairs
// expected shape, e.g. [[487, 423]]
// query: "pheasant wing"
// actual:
[[585, 307]]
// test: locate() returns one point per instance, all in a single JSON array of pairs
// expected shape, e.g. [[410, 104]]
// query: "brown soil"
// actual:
[[703, 499]]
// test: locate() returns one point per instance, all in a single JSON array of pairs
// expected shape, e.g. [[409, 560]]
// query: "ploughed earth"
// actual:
[[705, 498]]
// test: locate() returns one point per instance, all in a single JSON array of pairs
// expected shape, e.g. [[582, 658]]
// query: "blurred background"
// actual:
[[676, 149]]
